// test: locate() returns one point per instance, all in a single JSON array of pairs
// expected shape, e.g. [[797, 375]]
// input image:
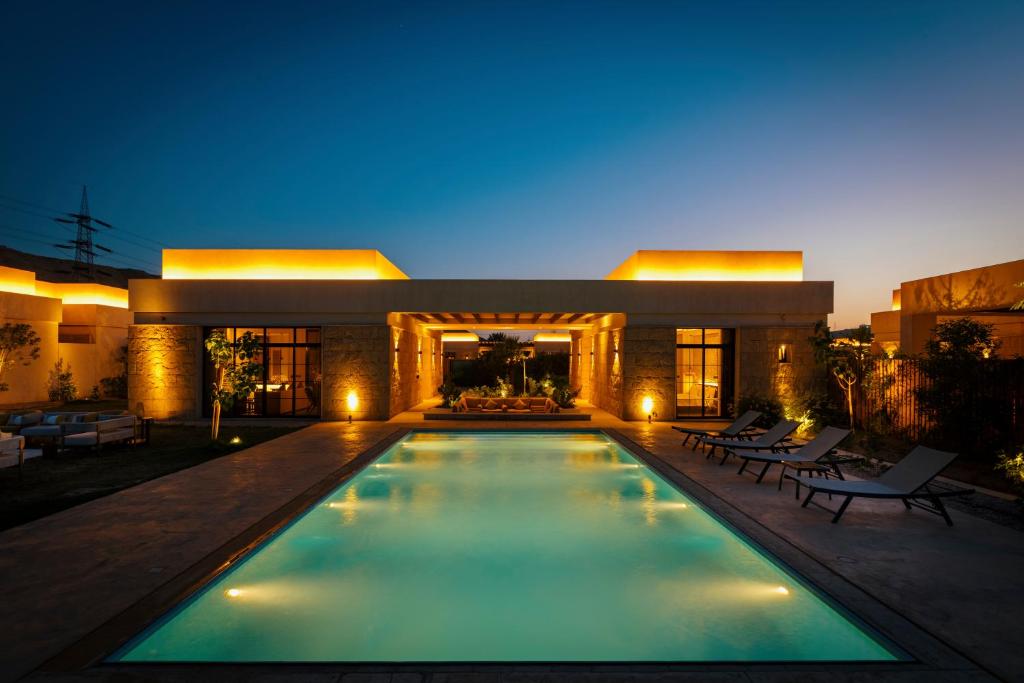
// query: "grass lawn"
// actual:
[[53, 483]]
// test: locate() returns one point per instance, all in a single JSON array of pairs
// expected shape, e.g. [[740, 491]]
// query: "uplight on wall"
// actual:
[[783, 353], [352, 401], [647, 405]]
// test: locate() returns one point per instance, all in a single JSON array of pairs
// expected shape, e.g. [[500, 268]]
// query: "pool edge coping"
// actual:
[[88, 653]]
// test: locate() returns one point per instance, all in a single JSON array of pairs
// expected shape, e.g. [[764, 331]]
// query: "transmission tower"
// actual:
[[85, 267]]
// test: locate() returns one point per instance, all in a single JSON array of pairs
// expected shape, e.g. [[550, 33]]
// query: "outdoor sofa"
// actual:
[[13, 423], [106, 429], [909, 480], [12, 443], [531, 404]]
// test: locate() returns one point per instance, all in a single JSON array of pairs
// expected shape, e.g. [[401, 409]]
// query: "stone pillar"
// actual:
[[356, 359], [607, 376], [649, 370], [165, 371]]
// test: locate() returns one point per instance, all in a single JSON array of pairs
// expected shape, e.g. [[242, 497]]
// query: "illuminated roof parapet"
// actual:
[[711, 266], [278, 264], [20, 281]]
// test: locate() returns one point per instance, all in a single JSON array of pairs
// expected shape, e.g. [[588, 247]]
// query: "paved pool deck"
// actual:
[[952, 593]]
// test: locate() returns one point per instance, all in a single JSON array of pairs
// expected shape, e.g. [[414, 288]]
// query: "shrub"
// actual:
[[61, 383], [565, 396], [817, 410], [1013, 468], [450, 394], [769, 407]]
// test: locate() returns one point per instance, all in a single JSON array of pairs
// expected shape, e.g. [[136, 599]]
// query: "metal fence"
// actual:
[[889, 400]]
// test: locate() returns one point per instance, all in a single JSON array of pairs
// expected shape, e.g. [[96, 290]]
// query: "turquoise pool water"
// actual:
[[500, 546]]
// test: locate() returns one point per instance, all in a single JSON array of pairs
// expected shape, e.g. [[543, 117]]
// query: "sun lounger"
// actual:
[[773, 440], [818, 450], [908, 480], [738, 429]]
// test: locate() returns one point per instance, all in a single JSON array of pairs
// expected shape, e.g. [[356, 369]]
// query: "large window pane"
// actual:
[[690, 336], [289, 380], [280, 335], [306, 380], [703, 371], [280, 391]]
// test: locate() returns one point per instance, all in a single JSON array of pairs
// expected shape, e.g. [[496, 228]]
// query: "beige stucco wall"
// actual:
[[92, 362], [282, 302], [356, 358], [165, 371], [886, 327], [28, 383]]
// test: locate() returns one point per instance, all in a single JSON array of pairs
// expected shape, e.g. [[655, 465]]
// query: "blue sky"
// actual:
[[527, 139]]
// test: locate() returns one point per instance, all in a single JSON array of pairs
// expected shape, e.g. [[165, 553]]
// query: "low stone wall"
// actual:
[[164, 371]]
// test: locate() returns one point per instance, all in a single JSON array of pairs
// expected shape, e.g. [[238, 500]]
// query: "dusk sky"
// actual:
[[527, 139]]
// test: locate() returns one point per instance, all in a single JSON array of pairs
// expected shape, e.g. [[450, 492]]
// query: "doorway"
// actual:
[[704, 372]]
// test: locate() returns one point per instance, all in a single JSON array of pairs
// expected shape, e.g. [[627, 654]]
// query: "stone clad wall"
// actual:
[[356, 358], [164, 371], [649, 369], [606, 388], [760, 371]]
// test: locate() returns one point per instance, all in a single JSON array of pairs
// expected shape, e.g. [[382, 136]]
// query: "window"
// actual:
[[704, 371], [290, 382]]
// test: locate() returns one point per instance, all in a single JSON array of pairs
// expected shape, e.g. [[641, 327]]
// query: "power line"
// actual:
[[19, 235], [26, 211], [32, 204], [8, 199]]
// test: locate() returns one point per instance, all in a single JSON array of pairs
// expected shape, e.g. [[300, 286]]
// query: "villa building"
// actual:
[[984, 294], [346, 333], [83, 324]]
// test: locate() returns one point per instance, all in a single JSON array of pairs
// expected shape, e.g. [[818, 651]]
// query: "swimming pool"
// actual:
[[510, 547]]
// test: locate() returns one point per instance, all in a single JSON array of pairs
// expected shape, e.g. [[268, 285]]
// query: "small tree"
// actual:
[[236, 372], [957, 362], [19, 344], [62, 385], [846, 361]]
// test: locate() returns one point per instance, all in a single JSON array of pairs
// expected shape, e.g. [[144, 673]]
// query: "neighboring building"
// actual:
[[83, 324], [983, 294], [345, 332]]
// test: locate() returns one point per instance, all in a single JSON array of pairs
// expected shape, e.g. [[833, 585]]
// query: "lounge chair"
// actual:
[[820, 450], [774, 440], [907, 480], [739, 429]]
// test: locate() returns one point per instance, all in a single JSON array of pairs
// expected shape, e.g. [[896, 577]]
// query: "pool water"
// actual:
[[501, 546]]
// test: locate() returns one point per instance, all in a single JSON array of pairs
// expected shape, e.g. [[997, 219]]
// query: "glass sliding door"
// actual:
[[289, 384], [704, 371]]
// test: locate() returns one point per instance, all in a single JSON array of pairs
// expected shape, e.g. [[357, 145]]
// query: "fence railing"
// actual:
[[889, 401]]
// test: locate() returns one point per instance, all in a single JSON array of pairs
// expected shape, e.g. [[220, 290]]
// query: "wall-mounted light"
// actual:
[[352, 401], [783, 353]]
